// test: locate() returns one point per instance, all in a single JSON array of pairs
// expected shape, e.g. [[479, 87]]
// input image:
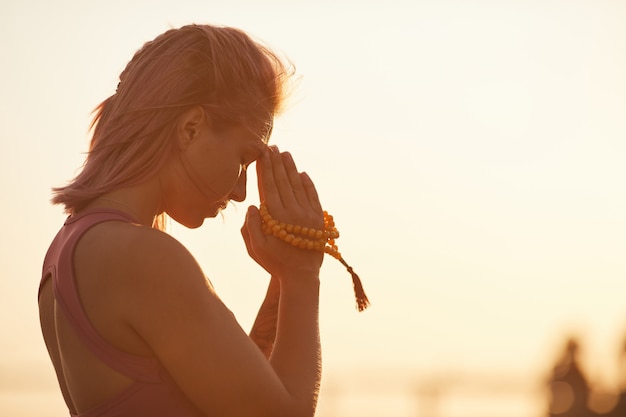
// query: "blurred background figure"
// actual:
[[572, 394], [568, 388]]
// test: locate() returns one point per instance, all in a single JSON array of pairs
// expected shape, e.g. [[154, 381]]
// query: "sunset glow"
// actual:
[[471, 153]]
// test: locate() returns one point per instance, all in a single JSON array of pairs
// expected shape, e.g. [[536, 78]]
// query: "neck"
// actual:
[[125, 207], [138, 202]]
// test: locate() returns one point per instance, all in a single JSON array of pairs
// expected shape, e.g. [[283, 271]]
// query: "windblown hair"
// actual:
[[235, 78]]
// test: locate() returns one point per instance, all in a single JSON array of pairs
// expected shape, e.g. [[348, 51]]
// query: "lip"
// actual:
[[218, 208]]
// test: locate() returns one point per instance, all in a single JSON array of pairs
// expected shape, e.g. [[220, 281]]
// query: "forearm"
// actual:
[[296, 357], [263, 331]]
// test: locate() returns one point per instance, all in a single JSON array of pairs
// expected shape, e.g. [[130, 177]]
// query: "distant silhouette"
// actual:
[[569, 390], [568, 387]]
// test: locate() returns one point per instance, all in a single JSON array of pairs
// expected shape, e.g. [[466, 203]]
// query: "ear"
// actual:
[[190, 123]]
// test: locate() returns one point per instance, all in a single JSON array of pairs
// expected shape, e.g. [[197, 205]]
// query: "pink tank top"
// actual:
[[153, 392]]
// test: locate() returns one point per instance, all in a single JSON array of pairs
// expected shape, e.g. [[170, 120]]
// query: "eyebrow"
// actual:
[[268, 127]]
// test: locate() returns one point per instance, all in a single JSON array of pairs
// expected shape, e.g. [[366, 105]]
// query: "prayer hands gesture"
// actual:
[[290, 197]]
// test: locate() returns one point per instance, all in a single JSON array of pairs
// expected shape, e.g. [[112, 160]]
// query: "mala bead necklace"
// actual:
[[313, 239]]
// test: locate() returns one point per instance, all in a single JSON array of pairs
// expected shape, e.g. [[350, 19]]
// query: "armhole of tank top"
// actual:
[[133, 366]]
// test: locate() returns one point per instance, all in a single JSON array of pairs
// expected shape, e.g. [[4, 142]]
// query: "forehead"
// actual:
[[252, 138]]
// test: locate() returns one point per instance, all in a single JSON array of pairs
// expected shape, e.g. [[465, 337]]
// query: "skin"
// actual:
[[146, 295]]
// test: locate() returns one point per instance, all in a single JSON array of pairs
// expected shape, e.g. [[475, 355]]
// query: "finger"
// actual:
[[251, 231], [265, 178], [297, 187], [282, 182], [311, 193]]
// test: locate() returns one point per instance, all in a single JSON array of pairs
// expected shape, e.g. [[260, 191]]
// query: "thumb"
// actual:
[[251, 229]]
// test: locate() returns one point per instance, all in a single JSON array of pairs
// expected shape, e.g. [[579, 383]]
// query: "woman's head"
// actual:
[[238, 81]]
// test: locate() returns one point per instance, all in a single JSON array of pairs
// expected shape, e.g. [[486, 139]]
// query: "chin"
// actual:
[[190, 222], [194, 225], [193, 219]]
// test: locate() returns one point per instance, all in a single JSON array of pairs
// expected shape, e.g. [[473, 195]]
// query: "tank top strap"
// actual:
[[61, 269]]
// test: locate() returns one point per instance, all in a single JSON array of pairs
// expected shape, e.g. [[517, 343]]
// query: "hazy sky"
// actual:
[[472, 153]]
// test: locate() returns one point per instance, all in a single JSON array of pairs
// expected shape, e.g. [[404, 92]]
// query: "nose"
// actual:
[[238, 193]]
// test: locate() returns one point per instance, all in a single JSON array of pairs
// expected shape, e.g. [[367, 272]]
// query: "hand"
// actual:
[[290, 197]]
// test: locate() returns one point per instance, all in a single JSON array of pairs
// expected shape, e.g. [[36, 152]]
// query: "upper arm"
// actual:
[[172, 306]]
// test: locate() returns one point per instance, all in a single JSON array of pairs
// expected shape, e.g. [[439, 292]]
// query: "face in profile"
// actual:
[[214, 165]]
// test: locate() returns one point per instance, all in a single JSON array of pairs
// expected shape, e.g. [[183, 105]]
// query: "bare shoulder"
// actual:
[[133, 253], [149, 250], [151, 263], [143, 270], [158, 286]]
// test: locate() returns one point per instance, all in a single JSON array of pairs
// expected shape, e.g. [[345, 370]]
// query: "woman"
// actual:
[[132, 326]]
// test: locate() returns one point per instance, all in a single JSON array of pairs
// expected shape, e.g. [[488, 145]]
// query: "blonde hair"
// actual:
[[235, 78]]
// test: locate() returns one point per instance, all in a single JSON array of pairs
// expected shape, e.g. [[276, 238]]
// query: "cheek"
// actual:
[[217, 175], [199, 160]]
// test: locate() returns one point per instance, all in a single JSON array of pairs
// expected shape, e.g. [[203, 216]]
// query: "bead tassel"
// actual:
[[312, 239], [361, 299]]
